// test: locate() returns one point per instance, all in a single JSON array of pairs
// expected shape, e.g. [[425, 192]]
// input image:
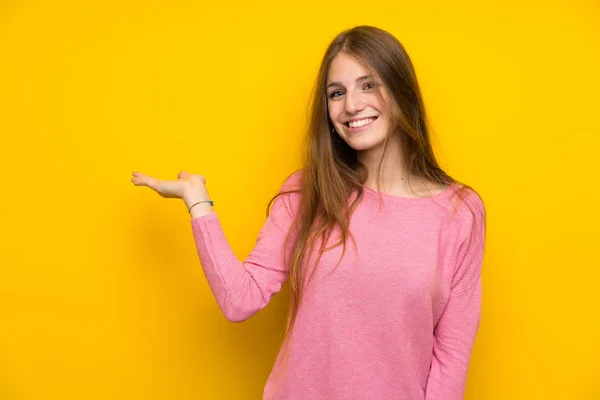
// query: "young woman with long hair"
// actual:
[[381, 248]]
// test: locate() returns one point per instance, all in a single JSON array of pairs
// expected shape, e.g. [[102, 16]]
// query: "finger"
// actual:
[[140, 179], [182, 174], [137, 177], [153, 184], [137, 174]]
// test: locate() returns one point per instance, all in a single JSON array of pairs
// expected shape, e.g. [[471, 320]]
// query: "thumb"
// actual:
[[182, 174]]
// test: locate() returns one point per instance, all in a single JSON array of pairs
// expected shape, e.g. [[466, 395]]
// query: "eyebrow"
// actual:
[[359, 79]]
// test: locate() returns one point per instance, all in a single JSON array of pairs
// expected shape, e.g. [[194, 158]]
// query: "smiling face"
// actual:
[[358, 115]]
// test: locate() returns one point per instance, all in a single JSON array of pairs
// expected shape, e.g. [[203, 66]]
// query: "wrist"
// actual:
[[195, 195], [200, 209]]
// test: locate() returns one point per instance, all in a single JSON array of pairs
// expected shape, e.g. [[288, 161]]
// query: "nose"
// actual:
[[354, 103]]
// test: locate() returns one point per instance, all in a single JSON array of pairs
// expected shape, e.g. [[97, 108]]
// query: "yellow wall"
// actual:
[[101, 292]]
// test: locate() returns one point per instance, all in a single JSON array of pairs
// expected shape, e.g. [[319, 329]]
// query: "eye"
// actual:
[[335, 94], [369, 86]]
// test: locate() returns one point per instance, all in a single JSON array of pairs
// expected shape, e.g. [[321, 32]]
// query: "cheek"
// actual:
[[334, 111]]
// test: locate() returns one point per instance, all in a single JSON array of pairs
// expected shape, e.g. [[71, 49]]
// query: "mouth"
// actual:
[[359, 125]]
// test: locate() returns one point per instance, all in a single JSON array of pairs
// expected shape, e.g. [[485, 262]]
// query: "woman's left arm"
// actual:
[[455, 332]]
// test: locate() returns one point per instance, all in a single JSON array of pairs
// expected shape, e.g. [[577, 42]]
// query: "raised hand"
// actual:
[[189, 187]]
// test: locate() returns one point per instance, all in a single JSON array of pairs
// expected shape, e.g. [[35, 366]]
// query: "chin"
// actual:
[[360, 147], [364, 144]]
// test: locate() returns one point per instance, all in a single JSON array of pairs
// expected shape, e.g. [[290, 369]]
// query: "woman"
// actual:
[[382, 249]]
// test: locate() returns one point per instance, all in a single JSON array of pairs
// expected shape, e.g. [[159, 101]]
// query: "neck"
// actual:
[[393, 173]]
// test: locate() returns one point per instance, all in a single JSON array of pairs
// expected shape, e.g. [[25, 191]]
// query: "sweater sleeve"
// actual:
[[242, 288], [455, 332]]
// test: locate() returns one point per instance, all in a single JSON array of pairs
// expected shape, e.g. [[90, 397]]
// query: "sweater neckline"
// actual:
[[438, 195]]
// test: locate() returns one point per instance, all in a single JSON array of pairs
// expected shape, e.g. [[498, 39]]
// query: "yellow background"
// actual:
[[101, 292]]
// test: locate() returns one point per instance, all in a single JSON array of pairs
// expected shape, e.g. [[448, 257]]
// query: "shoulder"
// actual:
[[294, 181], [468, 238], [468, 211], [473, 202], [467, 202], [290, 191]]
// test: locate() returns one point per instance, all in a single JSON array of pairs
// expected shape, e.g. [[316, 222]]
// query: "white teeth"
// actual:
[[359, 123]]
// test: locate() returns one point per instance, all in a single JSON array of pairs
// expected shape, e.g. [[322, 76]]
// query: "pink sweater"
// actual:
[[398, 317]]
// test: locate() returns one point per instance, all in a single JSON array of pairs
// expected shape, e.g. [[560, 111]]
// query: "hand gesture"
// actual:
[[184, 187]]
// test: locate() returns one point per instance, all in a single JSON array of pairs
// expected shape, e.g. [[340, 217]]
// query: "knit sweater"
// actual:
[[396, 319]]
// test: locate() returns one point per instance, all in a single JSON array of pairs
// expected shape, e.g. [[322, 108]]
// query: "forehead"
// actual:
[[345, 69]]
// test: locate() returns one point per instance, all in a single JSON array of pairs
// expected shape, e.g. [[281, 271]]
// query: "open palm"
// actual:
[[185, 183]]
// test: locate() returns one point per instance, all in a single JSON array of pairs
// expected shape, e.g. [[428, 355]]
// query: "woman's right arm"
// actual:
[[241, 288]]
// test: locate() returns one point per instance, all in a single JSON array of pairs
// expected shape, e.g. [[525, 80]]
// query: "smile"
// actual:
[[360, 124]]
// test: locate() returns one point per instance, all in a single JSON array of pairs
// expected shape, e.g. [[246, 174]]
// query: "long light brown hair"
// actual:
[[332, 171]]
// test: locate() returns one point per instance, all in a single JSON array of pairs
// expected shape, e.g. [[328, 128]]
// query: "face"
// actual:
[[357, 113]]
